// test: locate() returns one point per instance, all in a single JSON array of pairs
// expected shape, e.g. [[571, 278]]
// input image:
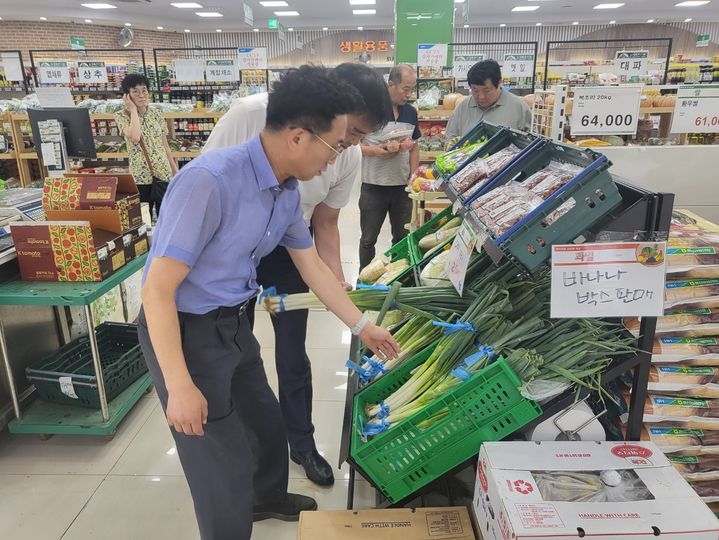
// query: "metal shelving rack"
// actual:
[[23, 83], [643, 215]]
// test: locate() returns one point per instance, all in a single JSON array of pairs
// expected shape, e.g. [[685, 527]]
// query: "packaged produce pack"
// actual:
[[689, 351], [690, 413], [693, 246], [475, 175], [691, 293], [696, 468], [678, 439], [687, 323], [684, 381], [394, 131]]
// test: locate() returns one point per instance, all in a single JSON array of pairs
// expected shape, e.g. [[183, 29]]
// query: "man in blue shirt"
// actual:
[[222, 213]]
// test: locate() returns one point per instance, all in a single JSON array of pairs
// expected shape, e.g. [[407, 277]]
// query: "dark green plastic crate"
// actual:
[[120, 356], [402, 460], [530, 241], [404, 250]]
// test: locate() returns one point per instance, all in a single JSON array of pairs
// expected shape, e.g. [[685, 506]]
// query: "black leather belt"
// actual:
[[233, 311]]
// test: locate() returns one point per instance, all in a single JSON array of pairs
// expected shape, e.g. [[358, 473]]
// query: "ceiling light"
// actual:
[[99, 6], [362, 2], [612, 22], [208, 14], [218, 30], [650, 20], [325, 28], [608, 6], [538, 24], [88, 21], [128, 24], [575, 23], [280, 3], [43, 18], [502, 25], [290, 29], [360, 28], [693, 3], [525, 8], [160, 27], [688, 19], [466, 26], [187, 30], [255, 29], [364, 11], [459, 1], [287, 13], [186, 5]]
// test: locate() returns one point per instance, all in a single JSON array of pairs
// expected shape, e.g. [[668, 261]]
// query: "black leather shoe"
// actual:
[[286, 510], [316, 467]]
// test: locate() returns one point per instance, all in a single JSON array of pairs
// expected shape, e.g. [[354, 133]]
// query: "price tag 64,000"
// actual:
[[606, 110]]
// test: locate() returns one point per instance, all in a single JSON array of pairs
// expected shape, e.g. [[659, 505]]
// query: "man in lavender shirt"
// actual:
[[222, 213]]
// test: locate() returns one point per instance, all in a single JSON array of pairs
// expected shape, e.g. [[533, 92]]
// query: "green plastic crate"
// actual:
[[593, 191], [404, 250], [120, 356], [402, 460], [430, 227]]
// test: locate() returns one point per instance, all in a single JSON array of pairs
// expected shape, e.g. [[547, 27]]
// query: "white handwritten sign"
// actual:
[[53, 73], [517, 65], [432, 54], [188, 70], [252, 58], [458, 258], [608, 280], [462, 63], [221, 70], [91, 73], [631, 63]]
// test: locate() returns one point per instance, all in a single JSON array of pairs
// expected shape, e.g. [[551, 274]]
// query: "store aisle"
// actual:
[[132, 487]]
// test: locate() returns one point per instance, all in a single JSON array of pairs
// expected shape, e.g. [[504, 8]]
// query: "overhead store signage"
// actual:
[[606, 110], [697, 109], [249, 16], [458, 258], [273, 24], [53, 73], [77, 44], [703, 40], [91, 73], [188, 70], [462, 63], [11, 67], [364, 46], [631, 63], [517, 65], [432, 55], [252, 58], [221, 71], [608, 280]]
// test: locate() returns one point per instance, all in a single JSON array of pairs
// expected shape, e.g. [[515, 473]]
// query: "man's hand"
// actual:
[[379, 341], [385, 150], [346, 286], [129, 104], [187, 409]]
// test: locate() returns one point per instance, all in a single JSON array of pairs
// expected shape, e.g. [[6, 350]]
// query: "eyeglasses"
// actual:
[[338, 149], [139, 93]]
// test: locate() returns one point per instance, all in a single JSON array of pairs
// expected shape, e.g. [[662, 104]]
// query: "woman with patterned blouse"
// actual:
[[144, 126]]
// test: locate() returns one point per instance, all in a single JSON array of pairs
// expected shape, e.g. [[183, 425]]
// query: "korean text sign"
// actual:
[[608, 280]]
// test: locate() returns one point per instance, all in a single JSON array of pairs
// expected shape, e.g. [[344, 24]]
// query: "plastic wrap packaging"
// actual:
[[693, 248], [696, 468], [705, 391], [448, 162], [430, 99], [679, 439], [484, 170], [679, 374], [502, 208], [434, 274], [698, 351], [550, 179], [591, 486], [685, 294], [689, 413], [394, 131], [707, 490], [689, 323]]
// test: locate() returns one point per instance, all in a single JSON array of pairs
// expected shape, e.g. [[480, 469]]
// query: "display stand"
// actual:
[[48, 419], [566, 54], [21, 87], [98, 85], [642, 215]]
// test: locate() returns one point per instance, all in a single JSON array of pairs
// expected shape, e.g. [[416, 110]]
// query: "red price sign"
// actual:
[[697, 109], [706, 121]]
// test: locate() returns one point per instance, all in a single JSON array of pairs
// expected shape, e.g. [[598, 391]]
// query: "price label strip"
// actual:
[[697, 109], [459, 254], [606, 110]]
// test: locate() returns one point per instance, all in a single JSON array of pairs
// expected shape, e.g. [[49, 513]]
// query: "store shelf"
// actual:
[[28, 155], [112, 155], [185, 154], [435, 115], [8, 155], [429, 156]]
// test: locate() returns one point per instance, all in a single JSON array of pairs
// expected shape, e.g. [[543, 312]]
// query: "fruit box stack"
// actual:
[[682, 411], [613, 490]]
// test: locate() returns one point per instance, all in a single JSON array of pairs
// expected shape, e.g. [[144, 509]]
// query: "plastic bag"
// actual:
[[540, 391], [434, 274], [591, 486], [483, 169], [430, 99], [394, 131]]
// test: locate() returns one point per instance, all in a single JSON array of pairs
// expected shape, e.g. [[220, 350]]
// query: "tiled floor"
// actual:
[[132, 487]]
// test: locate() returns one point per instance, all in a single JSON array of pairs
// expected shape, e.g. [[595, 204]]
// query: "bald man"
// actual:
[[386, 170]]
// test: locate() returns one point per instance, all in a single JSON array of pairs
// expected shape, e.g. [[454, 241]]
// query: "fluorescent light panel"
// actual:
[[608, 6], [186, 5], [525, 8], [208, 14], [280, 3], [99, 6], [362, 2], [364, 11], [287, 13], [693, 3]]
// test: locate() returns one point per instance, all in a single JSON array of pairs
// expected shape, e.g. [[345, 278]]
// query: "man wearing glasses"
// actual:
[[224, 212], [489, 102], [322, 198]]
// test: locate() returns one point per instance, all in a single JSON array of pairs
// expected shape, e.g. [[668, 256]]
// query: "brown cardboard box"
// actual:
[[95, 192], [135, 242], [392, 524], [79, 245]]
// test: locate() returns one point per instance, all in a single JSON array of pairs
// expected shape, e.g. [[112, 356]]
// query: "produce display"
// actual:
[[479, 172], [505, 206], [448, 162], [382, 272], [423, 179]]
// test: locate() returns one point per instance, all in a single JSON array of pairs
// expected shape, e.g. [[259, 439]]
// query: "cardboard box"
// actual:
[[79, 245], [635, 492], [95, 192], [135, 242], [393, 524]]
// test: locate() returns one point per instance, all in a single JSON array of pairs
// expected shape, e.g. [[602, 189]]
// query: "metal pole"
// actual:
[[546, 64], [157, 76], [666, 65], [8, 370], [534, 67], [96, 363]]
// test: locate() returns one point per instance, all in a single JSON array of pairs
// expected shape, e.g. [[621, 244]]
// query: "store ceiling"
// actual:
[[316, 14]]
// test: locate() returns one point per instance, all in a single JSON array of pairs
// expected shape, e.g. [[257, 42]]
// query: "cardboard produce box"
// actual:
[[608, 490], [392, 524], [95, 192], [135, 242], [80, 245]]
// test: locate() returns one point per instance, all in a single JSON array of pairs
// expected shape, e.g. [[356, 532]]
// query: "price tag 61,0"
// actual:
[[697, 109], [606, 110], [459, 254]]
